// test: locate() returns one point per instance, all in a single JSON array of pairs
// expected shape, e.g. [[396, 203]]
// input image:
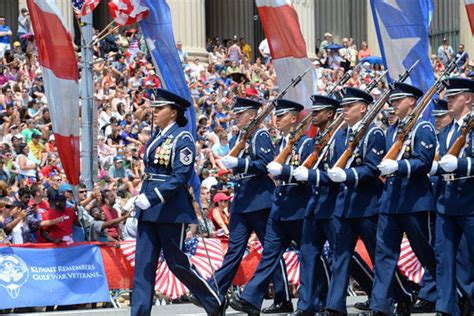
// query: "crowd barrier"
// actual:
[[86, 272]]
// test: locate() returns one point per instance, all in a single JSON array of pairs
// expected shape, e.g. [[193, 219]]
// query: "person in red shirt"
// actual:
[[62, 231], [51, 168], [111, 213], [219, 215], [152, 77]]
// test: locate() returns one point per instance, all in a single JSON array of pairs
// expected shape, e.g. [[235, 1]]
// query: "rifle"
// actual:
[[409, 122], [303, 126], [252, 127], [357, 136], [323, 140], [467, 125], [342, 81]]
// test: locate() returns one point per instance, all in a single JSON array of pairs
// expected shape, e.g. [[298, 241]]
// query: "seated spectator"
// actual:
[[108, 198], [117, 170], [26, 166], [219, 214], [51, 167], [37, 152], [99, 225], [209, 178], [221, 148]]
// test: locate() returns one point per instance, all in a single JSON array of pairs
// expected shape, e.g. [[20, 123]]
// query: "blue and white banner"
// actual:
[[402, 28], [158, 32], [51, 276]]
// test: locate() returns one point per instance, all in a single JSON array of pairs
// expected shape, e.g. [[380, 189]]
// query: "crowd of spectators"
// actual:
[[36, 202]]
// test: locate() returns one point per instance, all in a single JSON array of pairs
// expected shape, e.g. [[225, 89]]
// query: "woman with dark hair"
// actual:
[[26, 166], [164, 208]]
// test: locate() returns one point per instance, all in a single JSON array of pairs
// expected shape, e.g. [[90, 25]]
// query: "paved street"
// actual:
[[179, 309]]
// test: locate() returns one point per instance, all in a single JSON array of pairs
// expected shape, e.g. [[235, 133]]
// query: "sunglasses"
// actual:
[[82, 191]]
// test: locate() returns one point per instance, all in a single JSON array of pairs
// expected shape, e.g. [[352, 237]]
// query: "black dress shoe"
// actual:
[[363, 306], [465, 305], [242, 305], [193, 299], [222, 308], [279, 308], [423, 306], [403, 309], [376, 313], [332, 312], [299, 312]]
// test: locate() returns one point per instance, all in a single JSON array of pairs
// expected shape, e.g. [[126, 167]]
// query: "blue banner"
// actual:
[[158, 32], [402, 28], [52, 276]]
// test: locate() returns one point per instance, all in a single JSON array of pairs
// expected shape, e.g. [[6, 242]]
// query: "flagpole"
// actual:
[[87, 96]]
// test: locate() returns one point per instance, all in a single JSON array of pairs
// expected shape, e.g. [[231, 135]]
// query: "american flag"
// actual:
[[292, 262], [165, 281], [408, 263], [84, 7]]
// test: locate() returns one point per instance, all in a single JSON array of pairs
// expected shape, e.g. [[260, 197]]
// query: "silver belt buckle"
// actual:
[[448, 177]]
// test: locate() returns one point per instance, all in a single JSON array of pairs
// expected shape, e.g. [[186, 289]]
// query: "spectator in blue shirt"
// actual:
[[462, 63], [5, 33]]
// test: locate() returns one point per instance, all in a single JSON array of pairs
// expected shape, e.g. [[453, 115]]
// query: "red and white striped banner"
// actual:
[[287, 48], [470, 13], [408, 263], [60, 76]]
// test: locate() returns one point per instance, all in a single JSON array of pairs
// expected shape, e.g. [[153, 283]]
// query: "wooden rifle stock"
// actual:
[[326, 137], [322, 142], [394, 150], [410, 121], [238, 147], [252, 127], [455, 149], [346, 155]]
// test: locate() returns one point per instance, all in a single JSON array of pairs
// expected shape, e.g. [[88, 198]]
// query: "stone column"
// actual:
[[65, 7], [189, 25], [465, 35], [371, 40], [306, 15]]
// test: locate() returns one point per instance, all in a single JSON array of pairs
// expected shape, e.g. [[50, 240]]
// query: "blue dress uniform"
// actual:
[[407, 204], [427, 291], [314, 269], [455, 206], [355, 213], [286, 216], [169, 162], [251, 205]]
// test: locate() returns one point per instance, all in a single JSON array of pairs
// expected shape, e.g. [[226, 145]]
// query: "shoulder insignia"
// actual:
[[265, 151], [425, 145], [186, 156], [378, 152]]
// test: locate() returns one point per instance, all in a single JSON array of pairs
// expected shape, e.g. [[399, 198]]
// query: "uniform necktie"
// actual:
[[348, 136], [451, 134]]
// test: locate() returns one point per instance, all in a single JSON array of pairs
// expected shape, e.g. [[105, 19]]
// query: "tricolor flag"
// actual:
[[60, 76], [470, 13], [288, 48]]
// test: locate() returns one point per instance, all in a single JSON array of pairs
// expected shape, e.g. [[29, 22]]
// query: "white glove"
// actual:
[[434, 168], [388, 166], [300, 173], [336, 174], [229, 162], [449, 163], [274, 168], [142, 202]]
